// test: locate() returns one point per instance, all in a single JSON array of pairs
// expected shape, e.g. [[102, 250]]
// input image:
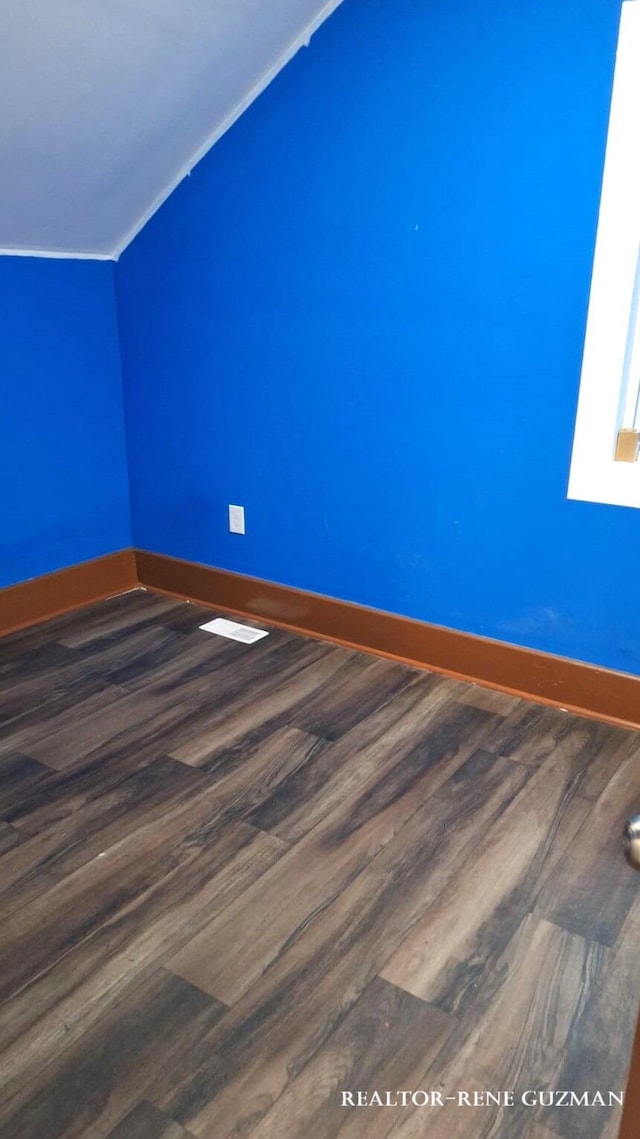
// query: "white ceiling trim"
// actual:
[[303, 40], [59, 255]]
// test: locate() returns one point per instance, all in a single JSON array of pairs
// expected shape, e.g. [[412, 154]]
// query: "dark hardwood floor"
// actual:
[[239, 881]]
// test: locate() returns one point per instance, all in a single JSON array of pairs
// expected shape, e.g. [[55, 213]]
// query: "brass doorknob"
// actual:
[[631, 841]]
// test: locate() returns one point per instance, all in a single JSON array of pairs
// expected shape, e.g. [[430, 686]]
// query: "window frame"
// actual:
[[610, 377]]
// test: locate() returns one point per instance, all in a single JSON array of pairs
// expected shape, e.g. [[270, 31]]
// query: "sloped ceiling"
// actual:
[[105, 105]]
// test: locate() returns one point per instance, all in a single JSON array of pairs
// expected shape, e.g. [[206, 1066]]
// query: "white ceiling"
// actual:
[[105, 105]]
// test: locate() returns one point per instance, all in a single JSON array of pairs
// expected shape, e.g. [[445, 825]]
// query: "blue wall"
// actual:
[[362, 317], [62, 454]]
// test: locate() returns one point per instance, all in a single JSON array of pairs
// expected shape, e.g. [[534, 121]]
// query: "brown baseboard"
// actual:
[[570, 684], [582, 688], [55, 593]]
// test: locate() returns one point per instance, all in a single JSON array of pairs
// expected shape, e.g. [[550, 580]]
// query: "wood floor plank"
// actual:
[[199, 656], [350, 696], [137, 608], [488, 698], [614, 748], [598, 1051], [100, 791], [443, 956], [261, 697], [9, 838], [133, 1045], [597, 889], [531, 733], [17, 774], [277, 1027], [187, 618], [62, 793], [76, 738], [245, 672], [49, 927], [131, 659], [249, 774], [127, 652], [63, 719], [383, 1043], [138, 799], [548, 976], [180, 656], [18, 646], [105, 767], [37, 719], [230, 955], [39, 684], [405, 735], [41, 664], [145, 1121], [58, 1006], [53, 854]]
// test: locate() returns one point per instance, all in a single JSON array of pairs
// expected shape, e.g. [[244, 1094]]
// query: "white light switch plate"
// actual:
[[236, 519]]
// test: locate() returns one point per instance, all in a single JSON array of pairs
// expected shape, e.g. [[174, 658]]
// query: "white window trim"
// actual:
[[610, 378]]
